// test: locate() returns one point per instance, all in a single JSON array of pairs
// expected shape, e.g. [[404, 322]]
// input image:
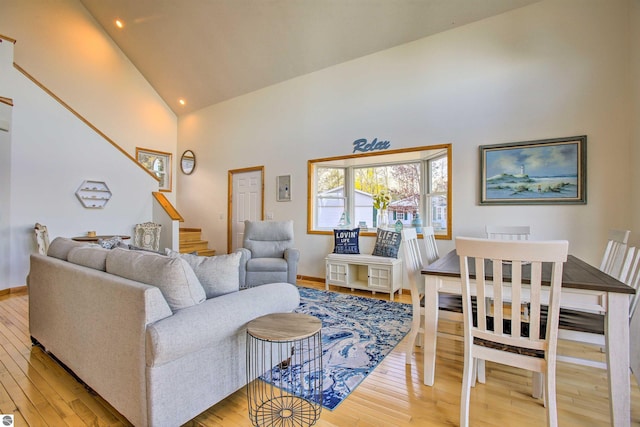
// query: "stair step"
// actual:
[[204, 251], [208, 252], [194, 245], [190, 234], [191, 241]]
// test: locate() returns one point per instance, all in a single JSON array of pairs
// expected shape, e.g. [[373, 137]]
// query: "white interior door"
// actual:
[[246, 203]]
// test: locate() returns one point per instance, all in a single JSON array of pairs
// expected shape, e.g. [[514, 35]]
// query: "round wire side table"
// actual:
[[284, 370]]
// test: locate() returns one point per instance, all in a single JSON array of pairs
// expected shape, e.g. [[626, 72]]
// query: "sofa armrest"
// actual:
[[242, 267], [292, 255], [200, 326]]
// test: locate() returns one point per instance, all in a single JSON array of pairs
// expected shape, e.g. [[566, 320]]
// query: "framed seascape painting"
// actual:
[[158, 163], [548, 171]]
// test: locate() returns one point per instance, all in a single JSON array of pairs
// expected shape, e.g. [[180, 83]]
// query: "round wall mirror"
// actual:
[[188, 162]]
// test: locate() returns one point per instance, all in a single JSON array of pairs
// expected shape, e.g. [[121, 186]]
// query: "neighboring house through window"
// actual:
[[417, 179]]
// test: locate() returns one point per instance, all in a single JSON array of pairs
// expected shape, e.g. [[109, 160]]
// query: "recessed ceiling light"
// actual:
[[119, 23], [182, 102]]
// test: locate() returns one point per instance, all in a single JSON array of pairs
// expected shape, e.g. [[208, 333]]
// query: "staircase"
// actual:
[[191, 240]]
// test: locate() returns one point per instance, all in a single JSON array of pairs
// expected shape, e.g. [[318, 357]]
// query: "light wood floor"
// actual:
[[40, 393]]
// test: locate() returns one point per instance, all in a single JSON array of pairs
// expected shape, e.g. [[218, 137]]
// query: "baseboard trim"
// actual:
[[311, 278], [13, 290]]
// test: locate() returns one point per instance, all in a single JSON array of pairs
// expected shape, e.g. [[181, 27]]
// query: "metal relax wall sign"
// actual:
[[362, 146]]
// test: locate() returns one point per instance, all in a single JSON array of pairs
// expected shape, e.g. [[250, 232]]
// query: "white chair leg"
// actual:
[[550, 396], [482, 378], [467, 382], [411, 341], [538, 384]]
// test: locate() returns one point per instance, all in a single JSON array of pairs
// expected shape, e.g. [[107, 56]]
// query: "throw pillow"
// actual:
[[346, 241], [60, 247], [110, 243], [218, 274], [387, 243], [175, 278], [89, 256]]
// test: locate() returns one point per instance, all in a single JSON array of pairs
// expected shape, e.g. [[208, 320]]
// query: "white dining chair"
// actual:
[[502, 336], [415, 259], [614, 252], [589, 327], [508, 232]]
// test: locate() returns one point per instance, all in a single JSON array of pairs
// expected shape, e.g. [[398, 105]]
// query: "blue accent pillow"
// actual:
[[346, 241], [387, 243]]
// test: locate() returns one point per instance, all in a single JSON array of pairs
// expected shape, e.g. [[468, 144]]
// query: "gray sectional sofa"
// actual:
[[143, 330]]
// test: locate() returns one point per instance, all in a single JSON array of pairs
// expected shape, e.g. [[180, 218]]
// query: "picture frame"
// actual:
[[159, 164], [283, 188], [547, 171]]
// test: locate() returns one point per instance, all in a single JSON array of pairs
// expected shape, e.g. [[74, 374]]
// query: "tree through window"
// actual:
[[417, 181]]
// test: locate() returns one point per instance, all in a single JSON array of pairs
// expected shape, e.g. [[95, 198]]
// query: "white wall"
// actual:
[[51, 151], [553, 69], [66, 50], [634, 53], [6, 59]]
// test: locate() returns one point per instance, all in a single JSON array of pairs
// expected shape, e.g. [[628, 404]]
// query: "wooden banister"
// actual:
[[7, 38], [167, 206]]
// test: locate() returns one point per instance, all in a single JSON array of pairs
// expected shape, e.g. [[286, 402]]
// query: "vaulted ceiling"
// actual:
[[208, 51]]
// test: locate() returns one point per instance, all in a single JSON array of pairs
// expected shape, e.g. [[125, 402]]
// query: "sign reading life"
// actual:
[[362, 145]]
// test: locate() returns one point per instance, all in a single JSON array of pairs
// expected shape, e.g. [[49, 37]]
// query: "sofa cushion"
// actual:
[[60, 247], [89, 256], [267, 264], [217, 322], [175, 278], [218, 274]]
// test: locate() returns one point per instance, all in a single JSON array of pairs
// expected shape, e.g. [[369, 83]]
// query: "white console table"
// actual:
[[366, 272]]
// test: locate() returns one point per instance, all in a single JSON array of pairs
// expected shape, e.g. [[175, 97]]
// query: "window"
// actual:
[[342, 189], [330, 196]]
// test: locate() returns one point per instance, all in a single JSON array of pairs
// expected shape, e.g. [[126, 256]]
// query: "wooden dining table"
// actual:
[[584, 287]]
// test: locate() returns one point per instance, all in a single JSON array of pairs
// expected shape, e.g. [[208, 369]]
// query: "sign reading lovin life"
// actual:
[[362, 145]]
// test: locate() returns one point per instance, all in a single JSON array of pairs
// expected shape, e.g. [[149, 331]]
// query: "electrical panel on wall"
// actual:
[[93, 194]]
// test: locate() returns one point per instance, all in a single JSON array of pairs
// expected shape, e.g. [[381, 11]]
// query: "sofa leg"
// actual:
[[36, 343]]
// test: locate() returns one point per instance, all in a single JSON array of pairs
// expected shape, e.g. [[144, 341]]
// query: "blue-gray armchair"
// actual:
[[268, 255]]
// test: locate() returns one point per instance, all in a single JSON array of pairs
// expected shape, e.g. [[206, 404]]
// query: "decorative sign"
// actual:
[[361, 145]]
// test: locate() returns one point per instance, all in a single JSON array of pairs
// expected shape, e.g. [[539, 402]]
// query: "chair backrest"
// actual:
[[508, 232], [412, 259], [42, 238], [614, 252], [416, 258], [630, 275], [268, 239], [147, 236], [411, 251], [490, 257], [430, 250]]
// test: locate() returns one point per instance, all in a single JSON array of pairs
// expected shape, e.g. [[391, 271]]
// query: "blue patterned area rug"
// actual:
[[357, 333]]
